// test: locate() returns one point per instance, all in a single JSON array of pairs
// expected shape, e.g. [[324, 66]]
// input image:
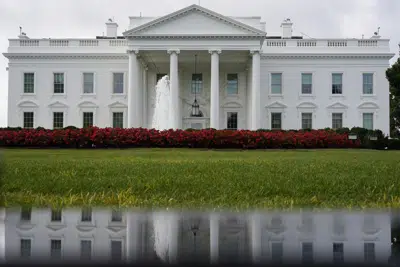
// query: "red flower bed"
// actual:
[[124, 138]]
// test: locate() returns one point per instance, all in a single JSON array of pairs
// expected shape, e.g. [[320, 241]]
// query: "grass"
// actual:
[[182, 178]]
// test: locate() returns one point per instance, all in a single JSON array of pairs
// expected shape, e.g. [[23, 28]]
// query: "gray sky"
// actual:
[[86, 19]]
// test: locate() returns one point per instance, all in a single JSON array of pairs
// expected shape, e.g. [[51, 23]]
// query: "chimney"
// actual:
[[112, 29], [287, 29]]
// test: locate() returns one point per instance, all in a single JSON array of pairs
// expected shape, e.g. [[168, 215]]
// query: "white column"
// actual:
[[134, 92], [255, 91], [214, 100], [256, 238], [145, 98], [176, 118], [214, 238]]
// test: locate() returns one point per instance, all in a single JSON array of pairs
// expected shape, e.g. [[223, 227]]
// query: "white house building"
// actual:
[[102, 235], [245, 77]]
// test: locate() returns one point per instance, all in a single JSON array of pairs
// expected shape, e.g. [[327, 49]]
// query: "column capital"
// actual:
[[255, 51], [176, 51], [133, 51], [212, 51]]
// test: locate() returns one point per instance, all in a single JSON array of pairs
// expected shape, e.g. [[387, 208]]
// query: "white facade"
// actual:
[[220, 237], [257, 80]]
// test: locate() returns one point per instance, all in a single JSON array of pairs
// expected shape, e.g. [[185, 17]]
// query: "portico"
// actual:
[[223, 46]]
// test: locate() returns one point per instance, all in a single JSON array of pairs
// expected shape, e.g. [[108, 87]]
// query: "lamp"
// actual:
[[196, 112]]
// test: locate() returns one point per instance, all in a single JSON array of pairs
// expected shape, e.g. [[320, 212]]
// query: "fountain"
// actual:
[[161, 116]]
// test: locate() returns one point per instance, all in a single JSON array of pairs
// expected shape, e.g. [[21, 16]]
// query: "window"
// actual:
[[86, 249], [86, 215], [56, 215], [118, 119], [26, 214], [337, 83], [58, 120], [368, 83], [118, 83], [197, 83], [28, 120], [25, 248], [338, 252], [59, 83], [368, 121], [55, 252], [116, 250], [87, 119], [277, 252], [116, 216], [306, 83], [233, 84], [159, 76], [88, 83], [306, 121], [276, 83], [232, 121], [337, 120], [276, 121], [369, 251], [308, 253], [29, 83]]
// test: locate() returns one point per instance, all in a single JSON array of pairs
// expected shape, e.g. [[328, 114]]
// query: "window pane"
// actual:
[[55, 249], [306, 120], [118, 119], [88, 83], [58, 120], [87, 119], [338, 252], [233, 85], [116, 250], [118, 83], [56, 215], [232, 120], [368, 121], [337, 83], [308, 253], [26, 214], [116, 216], [29, 83], [337, 120], [369, 251], [368, 79], [86, 249], [276, 121], [25, 248], [197, 83], [276, 83], [86, 215], [28, 120], [58, 83], [306, 83]]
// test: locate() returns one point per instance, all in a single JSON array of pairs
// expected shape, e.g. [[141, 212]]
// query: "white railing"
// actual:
[[344, 43], [68, 42]]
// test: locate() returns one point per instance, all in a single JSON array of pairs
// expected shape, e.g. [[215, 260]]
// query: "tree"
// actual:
[[393, 76]]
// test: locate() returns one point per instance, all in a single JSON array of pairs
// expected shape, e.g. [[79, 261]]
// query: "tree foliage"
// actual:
[[393, 76]]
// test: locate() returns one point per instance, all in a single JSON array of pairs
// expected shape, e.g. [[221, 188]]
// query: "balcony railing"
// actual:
[[67, 42]]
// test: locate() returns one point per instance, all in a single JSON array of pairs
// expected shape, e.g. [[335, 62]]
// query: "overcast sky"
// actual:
[[86, 19]]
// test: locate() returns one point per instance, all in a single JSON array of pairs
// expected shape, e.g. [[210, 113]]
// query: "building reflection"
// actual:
[[109, 235]]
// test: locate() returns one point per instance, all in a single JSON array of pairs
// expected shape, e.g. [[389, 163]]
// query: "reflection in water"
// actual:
[[101, 235]]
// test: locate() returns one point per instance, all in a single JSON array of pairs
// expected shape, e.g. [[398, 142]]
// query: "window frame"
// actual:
[[64, 83], [53, 113], [271, 74], [112, 120], [227, 84], [332, 83], [83, 118], [83, 83], [33, 119], [122, 248], [362, 83], [342, 252], [30, 239], [192, 83], [271, 120], [301, 119], [365, 250], [312, 84], [124, 83], [23, 82], [312, 253], [372, 117], [227, 117], [335, 113], [91, 240]]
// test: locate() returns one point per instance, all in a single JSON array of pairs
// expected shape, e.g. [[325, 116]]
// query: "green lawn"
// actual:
[[184, 178]]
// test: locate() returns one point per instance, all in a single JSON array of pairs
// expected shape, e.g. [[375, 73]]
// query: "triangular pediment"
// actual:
[[276, 104], [58, 104], [368, 105], [117, 104], [27, 104], [337, 105], [87, 104], [307, 105], [194, 20]]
